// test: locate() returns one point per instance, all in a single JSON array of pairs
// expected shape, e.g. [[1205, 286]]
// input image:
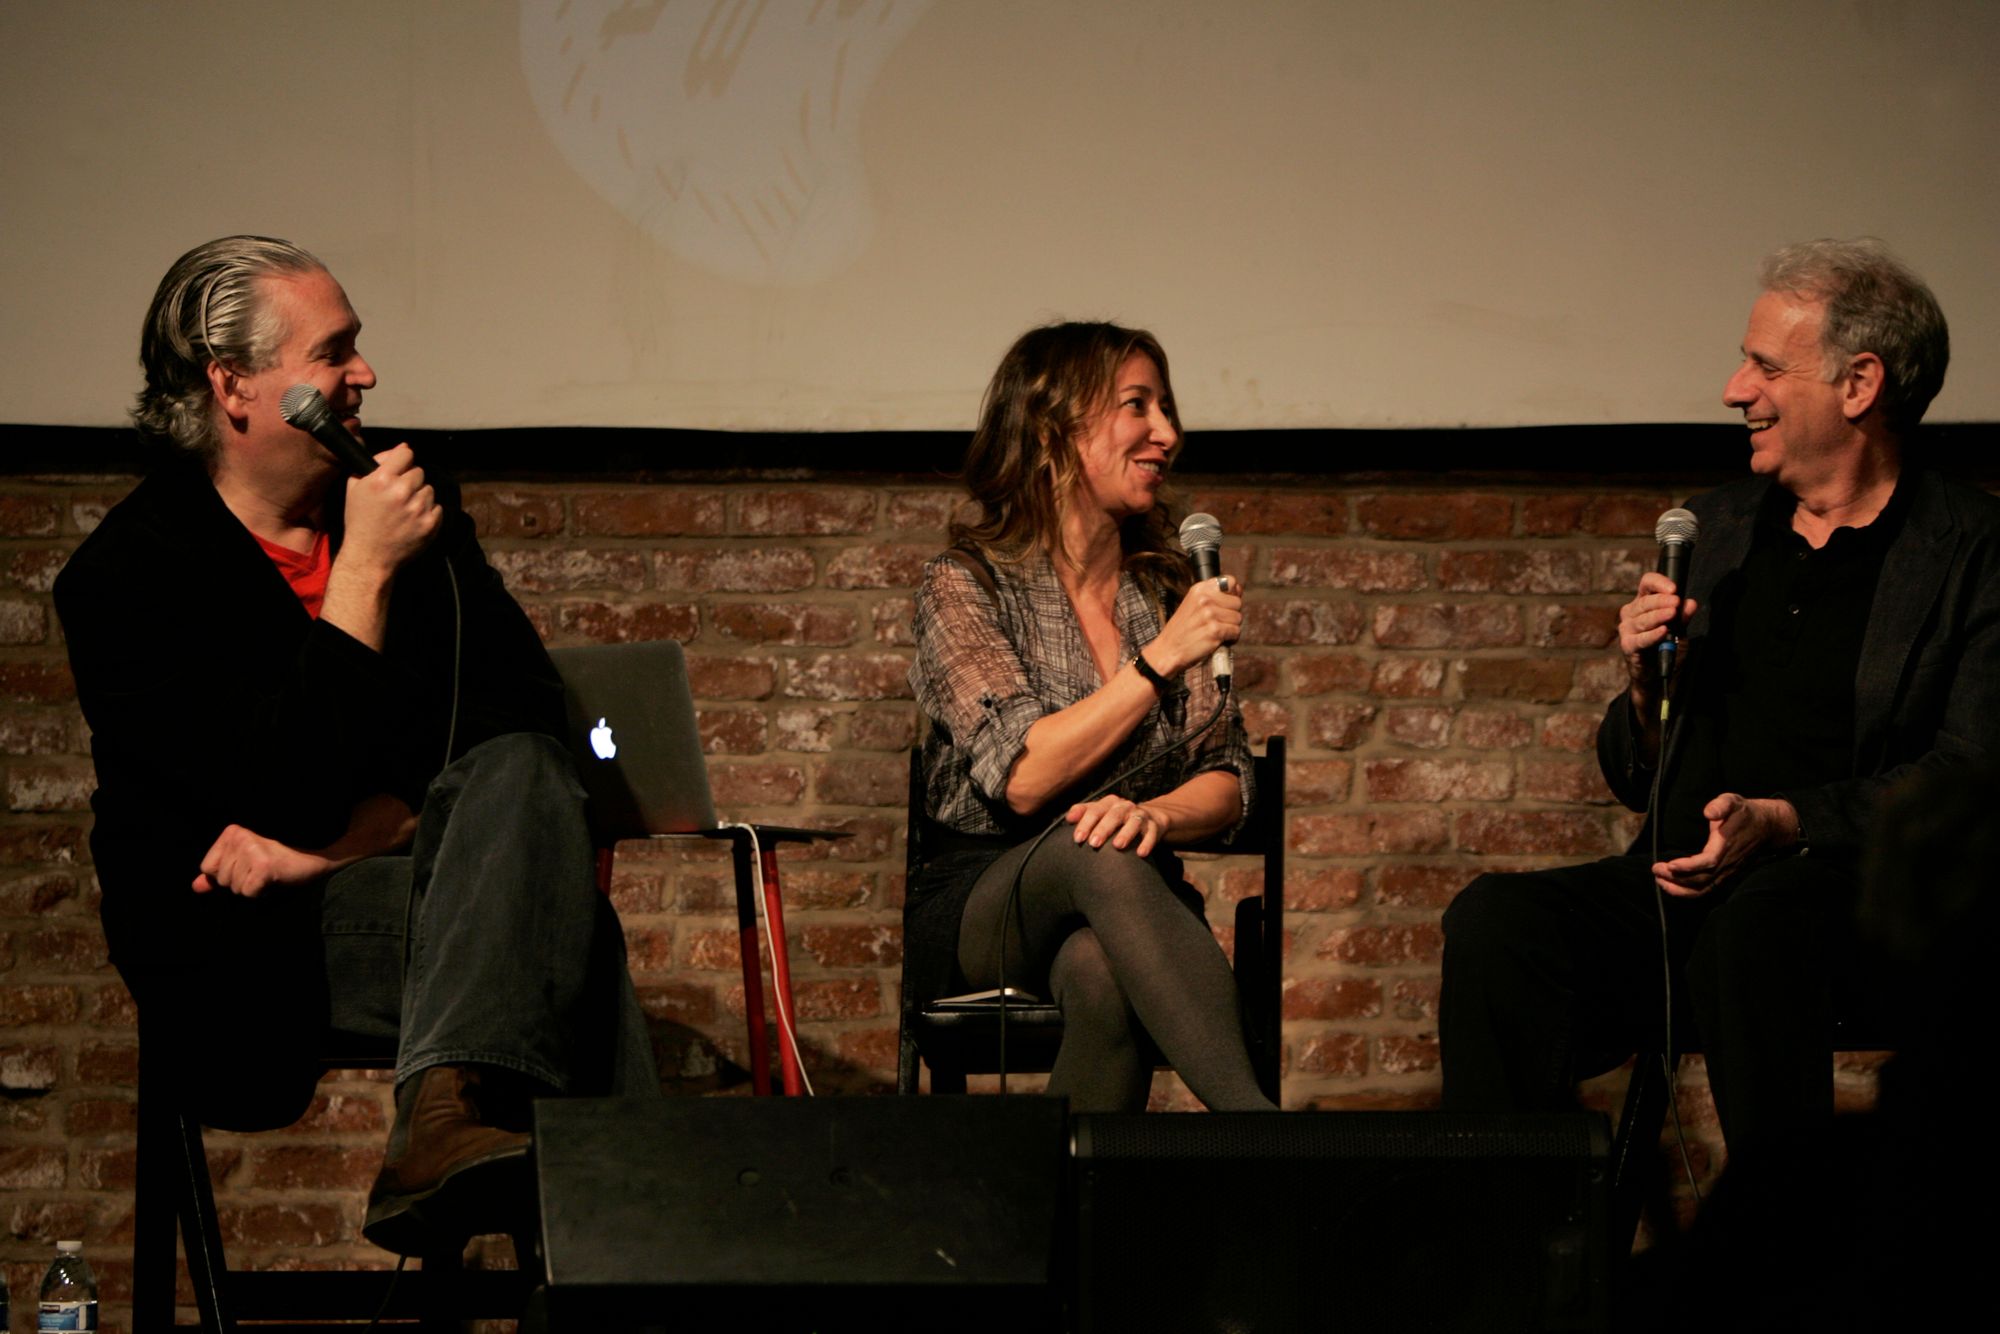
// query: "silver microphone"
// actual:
[[1201, 538], [1675, 532]]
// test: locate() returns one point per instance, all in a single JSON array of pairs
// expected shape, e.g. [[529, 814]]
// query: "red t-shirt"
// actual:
[[306, 574]]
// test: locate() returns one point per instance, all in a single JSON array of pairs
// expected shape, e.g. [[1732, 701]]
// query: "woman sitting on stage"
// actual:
[[1048, 664]]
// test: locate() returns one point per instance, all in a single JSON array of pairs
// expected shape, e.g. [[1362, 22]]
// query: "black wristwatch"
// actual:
[[1158, 682]]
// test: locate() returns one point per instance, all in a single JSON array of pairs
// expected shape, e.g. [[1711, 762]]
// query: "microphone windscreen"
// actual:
[[1677, 525], [1200, 531], [305, 407]]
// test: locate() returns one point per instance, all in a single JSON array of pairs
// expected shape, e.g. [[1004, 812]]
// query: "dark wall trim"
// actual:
[[1550, 454]]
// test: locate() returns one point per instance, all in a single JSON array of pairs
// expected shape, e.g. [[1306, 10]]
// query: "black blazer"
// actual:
[[1927, 686], [212, 697]]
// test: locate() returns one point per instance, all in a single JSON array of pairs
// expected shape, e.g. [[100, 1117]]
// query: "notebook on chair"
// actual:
[[630, 726]]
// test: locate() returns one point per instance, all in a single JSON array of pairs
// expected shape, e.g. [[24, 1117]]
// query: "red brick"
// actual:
[[1365, 833], [1539, 680], [338, 1112], [569, 569], [1424, 728], [1599, 515], [1599, 681], [1533, 833], [713, 951], [821, 999], [1322, 889], [1572, 626], [882, 729], [107, 1063], [35, 733], [44, 1221], [291, 1226], [921, 511], [1317, 782], [1415, 998], [50, 787], [731, 676], [820, 512], [867, 1049], [33, 569], [854, 946], [863, 781], [1571, 731], [879, 565], [732, 731], [1339, 726], [1385, 945], [32, 1006], [849, 676], [32, 1169], [42, 893], [1408, 678], [1255, 672], [1537, 570], [891, 620], [809, 887], [29, 516], [624, 622], [1328, 673], [1313, 513], [803, 728], [739, 783], [734, 569], [650, 511], [1265, 718], [63, 949], [112, 1006], [36, 682], [1435, 516], [1563, 780], [23, 622], [505, 513], [1493, 729], [1618, 571], [1347, 567], [107, 1169], [1333, 1054], [1398, 1055], [1297, 621], [1448, 625], [29, 1069], [673, 1002], [314, 1167], [1375, 1100], [785, 623], [1405, 884], [1432, 781], [1332, 998]]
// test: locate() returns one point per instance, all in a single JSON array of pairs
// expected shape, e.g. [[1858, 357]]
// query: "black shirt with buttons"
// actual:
[[1773, 698]]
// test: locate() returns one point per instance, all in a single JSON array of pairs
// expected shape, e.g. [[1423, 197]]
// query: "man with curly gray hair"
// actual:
[[317, 718], [1839, 632]]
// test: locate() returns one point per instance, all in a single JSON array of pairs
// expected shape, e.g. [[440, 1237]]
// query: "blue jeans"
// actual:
[[513, 958]]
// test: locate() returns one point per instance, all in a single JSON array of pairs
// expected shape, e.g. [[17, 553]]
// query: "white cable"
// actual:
[[779, 1001]]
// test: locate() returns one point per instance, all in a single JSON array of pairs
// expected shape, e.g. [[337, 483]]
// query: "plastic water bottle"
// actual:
[[69, 1291]]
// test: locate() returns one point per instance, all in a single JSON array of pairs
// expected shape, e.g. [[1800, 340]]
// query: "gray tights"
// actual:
[[1103, 933]]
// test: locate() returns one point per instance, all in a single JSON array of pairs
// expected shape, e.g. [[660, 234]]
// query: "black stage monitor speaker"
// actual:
[[821, 1214], [1257, 1223]]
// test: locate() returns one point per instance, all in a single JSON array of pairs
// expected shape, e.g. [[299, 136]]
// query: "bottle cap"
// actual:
[[69, 1247]]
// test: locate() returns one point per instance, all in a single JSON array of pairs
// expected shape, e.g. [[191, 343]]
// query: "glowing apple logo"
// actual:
[[601, 743], [728, 130]]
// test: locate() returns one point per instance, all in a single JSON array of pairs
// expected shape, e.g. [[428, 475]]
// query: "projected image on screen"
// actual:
[[726, 129]]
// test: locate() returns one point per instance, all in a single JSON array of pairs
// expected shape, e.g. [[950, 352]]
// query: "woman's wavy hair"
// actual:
[[1023, 467], [209, 308]]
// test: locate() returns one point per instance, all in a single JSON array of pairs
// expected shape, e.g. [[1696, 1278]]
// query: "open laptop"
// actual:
[[631, 728]]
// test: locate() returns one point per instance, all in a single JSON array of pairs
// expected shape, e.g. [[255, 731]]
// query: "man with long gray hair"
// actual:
[[1839, 630], [318, 721]]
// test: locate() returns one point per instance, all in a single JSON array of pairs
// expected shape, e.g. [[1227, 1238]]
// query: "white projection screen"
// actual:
[[806, 215]]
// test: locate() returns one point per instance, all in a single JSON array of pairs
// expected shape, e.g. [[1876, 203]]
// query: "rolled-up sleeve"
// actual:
[[968, 675]]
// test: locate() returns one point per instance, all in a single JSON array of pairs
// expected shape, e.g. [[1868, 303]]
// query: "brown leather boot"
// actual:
[[452, 1169]]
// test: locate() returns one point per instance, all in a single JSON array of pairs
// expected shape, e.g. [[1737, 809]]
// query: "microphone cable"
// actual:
[[1669, 1058]]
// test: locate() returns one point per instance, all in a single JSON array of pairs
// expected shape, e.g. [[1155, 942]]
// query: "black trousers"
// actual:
[[1550, 976]]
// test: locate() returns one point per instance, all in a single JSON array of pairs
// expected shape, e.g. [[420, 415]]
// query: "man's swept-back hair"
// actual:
[[209, 309], [1023, 466], [1874, 303]]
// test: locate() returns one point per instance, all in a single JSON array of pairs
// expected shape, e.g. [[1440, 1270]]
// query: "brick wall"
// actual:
[[1438, 655]]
